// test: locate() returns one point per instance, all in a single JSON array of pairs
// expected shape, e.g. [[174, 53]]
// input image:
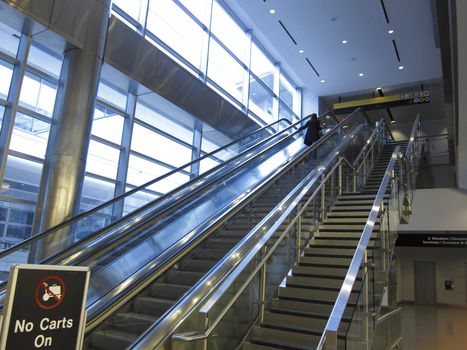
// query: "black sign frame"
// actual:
[[46, 313]]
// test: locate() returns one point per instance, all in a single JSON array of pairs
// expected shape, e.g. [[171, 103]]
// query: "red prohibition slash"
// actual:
[[50, 292]]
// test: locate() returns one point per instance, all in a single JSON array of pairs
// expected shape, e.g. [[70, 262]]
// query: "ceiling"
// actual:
[[319, 26]]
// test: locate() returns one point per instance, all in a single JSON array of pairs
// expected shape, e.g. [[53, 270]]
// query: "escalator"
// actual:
[[144, 263]]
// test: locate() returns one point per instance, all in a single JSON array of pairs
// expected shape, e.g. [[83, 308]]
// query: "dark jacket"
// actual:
[[313, 131]]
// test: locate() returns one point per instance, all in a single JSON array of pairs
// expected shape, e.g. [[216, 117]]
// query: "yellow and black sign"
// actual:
[[383, 102]]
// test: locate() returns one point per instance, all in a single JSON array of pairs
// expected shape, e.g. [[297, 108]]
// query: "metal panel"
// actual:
[[155, 70], [19, 19], [40, 10], [73, 18]]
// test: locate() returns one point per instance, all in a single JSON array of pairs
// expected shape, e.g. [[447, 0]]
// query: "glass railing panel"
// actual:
[[246, 309], [150, 243], [356, 333], [87, 224], [388, 331]]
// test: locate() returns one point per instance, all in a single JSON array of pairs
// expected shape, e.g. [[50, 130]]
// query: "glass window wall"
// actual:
[[30, 135], [225, 71], [107, 124], [168, 22], [102, 160], [262, 66], [286, 92], [261, 101], [6, 72], [226, 29], [38, 94]]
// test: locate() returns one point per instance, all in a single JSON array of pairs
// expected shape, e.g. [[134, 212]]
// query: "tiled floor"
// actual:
[[434, 328]]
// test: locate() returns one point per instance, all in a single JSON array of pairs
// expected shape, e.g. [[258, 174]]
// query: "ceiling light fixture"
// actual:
[[391, 31], [344, 41], [301, 51], [323, 81], [272, 11], [401, 67], [361, 74]]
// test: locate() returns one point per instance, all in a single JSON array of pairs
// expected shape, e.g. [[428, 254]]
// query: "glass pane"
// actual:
[[137, 200], [96, 192], [107, 124], [30, 135], [286, 113], [159, 147], [201, 9], [173, 26], [44, 59], [229, 32], [102, 160], [135, 8], [261, 66], [9, 39], [38, 94], [6, 72], [141, 171], [261, 101], [286, 92], [225, 70], [22, 178], [112, 96], [2, 112], [152, 117]]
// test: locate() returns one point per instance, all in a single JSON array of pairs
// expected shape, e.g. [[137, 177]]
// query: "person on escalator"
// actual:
[[313, 131]]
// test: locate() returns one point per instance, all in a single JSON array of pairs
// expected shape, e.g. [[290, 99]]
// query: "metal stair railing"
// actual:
[[115, 298], [296, 202]]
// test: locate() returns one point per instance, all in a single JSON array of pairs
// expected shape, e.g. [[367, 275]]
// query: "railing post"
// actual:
[[339, 178], [366, 276], [298, 239], [354, 180], [262, 289], [323, 198]]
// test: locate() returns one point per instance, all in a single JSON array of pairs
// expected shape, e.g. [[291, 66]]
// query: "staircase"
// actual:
[[296, 317], [128, 323]]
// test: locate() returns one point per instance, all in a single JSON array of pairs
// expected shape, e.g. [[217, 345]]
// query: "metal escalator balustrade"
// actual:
[[314, 210], [162, 294], [86, 226]]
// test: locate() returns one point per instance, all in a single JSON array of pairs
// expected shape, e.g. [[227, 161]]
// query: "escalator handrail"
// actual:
[[342, 299], [108, 301], [413, 137], [244, 250], [80, 216]]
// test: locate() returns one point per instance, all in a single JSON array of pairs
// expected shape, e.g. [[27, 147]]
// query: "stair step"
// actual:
[[325, 261], [152, 306], [283, 339], [111, 339], [168, 291], [131, 322]]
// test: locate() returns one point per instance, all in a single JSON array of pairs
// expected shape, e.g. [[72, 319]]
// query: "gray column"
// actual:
[[65, 161]]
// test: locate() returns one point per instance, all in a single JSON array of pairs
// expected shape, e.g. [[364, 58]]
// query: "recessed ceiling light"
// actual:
[[361, 74], [390, 31], [301, 51], [323, 81], [272, 11], [401, 67], [379, 88], [344, 41]]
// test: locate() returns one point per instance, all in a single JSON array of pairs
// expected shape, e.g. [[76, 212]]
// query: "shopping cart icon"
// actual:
[[53, 291]]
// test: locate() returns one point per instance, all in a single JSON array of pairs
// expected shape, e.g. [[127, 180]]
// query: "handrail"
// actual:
[[152, 337], [204, 310], [413, 136], [131, 192], [139, 277], [337, 312], [190, 336], [389, 314]]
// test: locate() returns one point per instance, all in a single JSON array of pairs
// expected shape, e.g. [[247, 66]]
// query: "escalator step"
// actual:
[[111, 339], [132, 322]]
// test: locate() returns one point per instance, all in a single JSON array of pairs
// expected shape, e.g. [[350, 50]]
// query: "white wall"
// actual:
[[435, 210], [450, 265], [309, 102], [440, 209]]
